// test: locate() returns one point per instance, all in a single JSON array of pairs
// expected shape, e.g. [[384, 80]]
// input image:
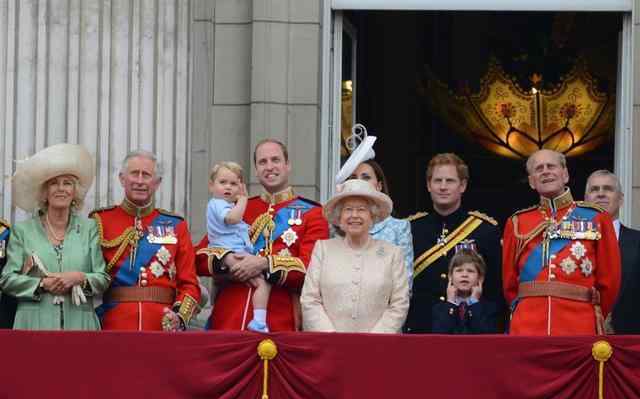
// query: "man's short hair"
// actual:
[[142, 154], [561, 159], [283, 147], [448, 158], [604, 172]]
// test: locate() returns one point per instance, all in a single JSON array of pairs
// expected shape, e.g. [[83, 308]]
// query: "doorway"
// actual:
[[394, 54]]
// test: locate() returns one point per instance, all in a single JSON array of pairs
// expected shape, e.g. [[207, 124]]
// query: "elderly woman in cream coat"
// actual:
[[355, 283]]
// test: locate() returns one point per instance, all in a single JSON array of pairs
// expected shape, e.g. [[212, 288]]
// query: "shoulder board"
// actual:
[[98, 210], [4, 223], [484, 217], [416, 216], [532, 207], [167, 213], [591, 205], [307, 200]]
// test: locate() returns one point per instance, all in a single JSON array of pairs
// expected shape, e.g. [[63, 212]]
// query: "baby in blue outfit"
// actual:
[[226, 229]]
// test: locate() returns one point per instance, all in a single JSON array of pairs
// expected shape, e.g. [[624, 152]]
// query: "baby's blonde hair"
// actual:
[[230, 166]]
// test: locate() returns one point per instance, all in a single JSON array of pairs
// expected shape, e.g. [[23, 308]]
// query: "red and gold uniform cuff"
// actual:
[[280, 266]]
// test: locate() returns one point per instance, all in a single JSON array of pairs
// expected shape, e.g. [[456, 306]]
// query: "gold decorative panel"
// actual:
[[573, 117]]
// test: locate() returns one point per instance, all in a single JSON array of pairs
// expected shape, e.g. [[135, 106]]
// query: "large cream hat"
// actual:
[[358, 188], [56, 160]]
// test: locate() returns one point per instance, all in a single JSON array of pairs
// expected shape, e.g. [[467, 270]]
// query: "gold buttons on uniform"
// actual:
[[443, 276], [442, 298]]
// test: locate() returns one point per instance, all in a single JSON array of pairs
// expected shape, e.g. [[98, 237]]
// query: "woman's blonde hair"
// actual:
[[233, 167], [76, 204]]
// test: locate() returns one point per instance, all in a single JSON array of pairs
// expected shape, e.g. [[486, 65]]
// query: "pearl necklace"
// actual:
[[50, 228]]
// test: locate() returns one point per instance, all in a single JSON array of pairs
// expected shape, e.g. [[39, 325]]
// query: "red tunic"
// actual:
[[233, 308], [584, 262], [169, 265]]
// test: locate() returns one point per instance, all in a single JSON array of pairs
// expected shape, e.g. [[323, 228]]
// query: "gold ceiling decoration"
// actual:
[[574, 117]]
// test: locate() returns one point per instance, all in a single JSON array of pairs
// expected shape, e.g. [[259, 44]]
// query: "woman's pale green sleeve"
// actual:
[[97, 278], [12, 281]]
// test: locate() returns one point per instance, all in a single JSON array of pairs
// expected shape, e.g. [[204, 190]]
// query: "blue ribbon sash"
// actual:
[[281, 220]]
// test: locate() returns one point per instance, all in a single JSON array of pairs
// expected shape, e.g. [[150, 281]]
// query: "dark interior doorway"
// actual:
[[393, 49]]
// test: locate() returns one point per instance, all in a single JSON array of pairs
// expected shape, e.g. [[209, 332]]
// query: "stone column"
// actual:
[[256, 75], [112, 75]]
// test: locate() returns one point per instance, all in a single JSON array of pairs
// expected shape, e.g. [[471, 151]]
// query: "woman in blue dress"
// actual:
[[393, 230]]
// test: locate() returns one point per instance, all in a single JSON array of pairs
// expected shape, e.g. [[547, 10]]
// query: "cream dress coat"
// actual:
[[347, 290]]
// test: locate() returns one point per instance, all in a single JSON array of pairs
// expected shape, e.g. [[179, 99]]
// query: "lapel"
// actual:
[[628, 248]]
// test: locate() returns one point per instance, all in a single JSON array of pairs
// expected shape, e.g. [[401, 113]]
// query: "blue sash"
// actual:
[[127, 276], [533, 265], [281, 220]]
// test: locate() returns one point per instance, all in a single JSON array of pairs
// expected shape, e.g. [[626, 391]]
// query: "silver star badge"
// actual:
[[289, 237], [163, 255]]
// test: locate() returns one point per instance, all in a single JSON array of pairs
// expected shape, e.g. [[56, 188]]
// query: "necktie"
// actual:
[[462, 310]]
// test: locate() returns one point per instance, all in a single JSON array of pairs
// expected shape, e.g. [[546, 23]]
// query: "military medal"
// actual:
[[156, 269], [468, 244], [289, 237], [161, 234], [568, 266], [291, 220], [442, 240], [163, 255], [295, 216], [578, 250], [587, 267]]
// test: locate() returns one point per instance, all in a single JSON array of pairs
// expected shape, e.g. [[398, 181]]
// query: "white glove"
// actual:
[[77, 295]]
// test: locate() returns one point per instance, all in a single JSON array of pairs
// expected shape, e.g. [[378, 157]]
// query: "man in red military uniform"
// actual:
[[561, 262], [284, 229], [149, 256]]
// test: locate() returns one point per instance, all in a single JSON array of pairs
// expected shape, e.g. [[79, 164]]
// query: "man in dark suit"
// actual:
[[436, 236], [604, 189]]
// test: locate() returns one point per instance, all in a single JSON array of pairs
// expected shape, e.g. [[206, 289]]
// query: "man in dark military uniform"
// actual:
[[7, 303], [436, 235]]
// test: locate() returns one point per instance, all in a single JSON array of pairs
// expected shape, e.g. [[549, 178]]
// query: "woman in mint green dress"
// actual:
[[54, 262]]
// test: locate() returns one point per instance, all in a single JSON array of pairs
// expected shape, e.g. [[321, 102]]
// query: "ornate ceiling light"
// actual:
[[573, 117]]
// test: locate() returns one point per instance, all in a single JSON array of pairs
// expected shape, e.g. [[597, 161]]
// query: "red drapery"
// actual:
[[311, 366]]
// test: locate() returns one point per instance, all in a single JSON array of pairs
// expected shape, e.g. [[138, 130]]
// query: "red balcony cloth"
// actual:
[[310, 366]]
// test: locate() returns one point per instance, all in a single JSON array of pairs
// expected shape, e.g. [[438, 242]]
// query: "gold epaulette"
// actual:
[[591, 205], [484, 217], [167, 213], [416, 216], [532, 207], [106, 208]]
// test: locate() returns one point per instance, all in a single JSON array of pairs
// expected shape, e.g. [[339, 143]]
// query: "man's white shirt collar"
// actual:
[[616, 227]]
